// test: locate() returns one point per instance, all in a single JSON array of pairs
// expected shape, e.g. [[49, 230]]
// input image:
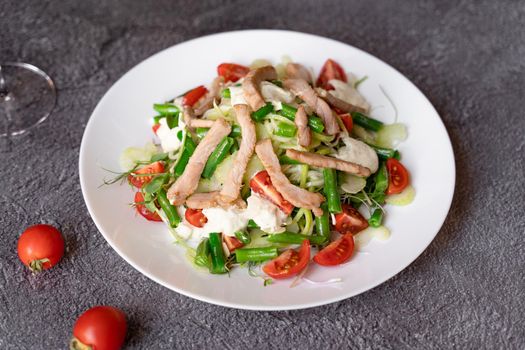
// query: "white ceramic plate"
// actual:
[[123, 116]]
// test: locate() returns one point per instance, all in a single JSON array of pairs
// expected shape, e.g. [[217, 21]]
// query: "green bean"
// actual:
[[201, 132], [252, 224], [216, 157], [243, 237], [226, 93], [236, 131], [218, 260], [366, 122], [331, 191], [285, 130], [169, 210], [287, 111], [202, 254], [165, 108], [255, 254], [315, 123], [376, 218], [284, 159], [322, 223], [189, 148], [262, 112], [295, 238], [235, 147], [156, 184], [383, 153]]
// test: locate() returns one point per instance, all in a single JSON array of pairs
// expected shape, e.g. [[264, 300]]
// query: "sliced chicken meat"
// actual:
[[187, 183], [251, 88], [300, 88], [338, 103], [211, 200], [201, 123], [298, 71], [232, 186], [207, 102], [304, 134], [321, 161], [299, 197]]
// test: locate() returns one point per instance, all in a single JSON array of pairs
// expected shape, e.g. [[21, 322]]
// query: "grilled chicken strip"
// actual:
[[207, 102], [304, 134], [187, 183], [300, 88], [232, 187], [298, 71], [201, 123], [211, 200], [250, 85], [297, 196], [338, 103], [321, 161]]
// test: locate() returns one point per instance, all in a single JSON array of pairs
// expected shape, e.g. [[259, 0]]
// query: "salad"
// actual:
[[268, 167]]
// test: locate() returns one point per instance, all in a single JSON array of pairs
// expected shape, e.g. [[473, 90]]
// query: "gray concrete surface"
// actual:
[[465, 291]]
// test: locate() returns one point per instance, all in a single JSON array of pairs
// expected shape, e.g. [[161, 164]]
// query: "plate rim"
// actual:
[[257, 307]]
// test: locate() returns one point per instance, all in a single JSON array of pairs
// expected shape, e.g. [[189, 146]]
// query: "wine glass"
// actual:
[[27, 97]]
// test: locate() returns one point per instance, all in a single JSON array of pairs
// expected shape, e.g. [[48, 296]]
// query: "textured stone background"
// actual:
[[465, 291]]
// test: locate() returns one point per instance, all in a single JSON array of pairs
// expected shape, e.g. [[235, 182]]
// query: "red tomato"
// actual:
[[349, 220], [232, 243], [262, 184], [331, 70], [289, 263], [195, 217], [139, 181], [336, 252], [155, 127], [194, 95], [397, 176], [100, 328], [142, 210], [40, 247], [347, 121], [232, 71]]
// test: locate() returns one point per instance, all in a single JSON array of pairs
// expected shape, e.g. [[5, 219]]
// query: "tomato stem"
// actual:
[[76, 344], [37, 266]]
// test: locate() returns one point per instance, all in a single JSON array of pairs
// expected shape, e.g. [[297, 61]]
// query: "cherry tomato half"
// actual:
[[194, 95], [195, 217], [232, 243], [331, 70], [347, 121], [262, 184], [289, 263], [154, 128], [336, 252], [231, 71], [349, 220], [397, 176], [40, 247], [142, 210], [100, 328], [138, 179]]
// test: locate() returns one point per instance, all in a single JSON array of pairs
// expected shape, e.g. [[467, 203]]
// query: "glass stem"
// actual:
[[4, 100]]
